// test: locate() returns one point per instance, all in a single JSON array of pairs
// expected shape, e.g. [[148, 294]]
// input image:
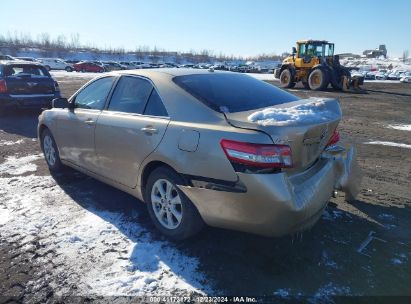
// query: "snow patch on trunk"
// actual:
[[312, 112]]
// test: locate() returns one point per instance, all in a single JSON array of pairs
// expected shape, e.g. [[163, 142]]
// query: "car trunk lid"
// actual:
[[305, 125], [30, 84]]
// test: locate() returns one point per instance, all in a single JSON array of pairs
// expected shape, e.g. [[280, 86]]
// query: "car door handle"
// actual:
[[89, 121], [149, 129]]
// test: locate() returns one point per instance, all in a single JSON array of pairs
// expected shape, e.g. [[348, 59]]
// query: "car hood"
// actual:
[[305, 125]]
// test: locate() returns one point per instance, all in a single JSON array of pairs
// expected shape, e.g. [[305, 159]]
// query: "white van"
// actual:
[[55, 64]]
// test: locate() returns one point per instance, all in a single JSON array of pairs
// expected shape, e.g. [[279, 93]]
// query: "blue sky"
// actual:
[[239, 27]]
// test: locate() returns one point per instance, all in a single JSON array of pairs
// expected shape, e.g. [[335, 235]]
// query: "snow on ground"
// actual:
[[312, 111], [103, 252], [71, 75], [388, 143], [400, 127], [367, 64], [10, 143], [269, 76], [17, 166], [4, 215]]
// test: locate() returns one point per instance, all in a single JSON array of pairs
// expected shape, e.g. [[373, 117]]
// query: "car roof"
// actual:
[[20, 62], [167, 71]]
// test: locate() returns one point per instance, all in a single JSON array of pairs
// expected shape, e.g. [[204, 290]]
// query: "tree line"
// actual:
[[62, 45]]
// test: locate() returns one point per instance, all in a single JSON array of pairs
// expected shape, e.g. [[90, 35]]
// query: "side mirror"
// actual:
[[294, 50], [61, 103]]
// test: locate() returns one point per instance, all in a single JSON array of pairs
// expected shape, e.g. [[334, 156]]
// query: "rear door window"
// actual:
[[155, 106], [130, 95]]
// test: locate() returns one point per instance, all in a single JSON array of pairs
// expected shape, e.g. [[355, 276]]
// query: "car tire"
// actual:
[[177, 220], [286, 79], [318, 79], [50, 151], [69, 69], [47, 67]]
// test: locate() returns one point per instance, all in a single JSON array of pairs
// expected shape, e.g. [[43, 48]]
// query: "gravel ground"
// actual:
[[70, 235]]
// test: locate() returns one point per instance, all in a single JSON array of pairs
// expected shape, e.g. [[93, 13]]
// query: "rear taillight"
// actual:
[[335, 138], [56, 86], [3, 86], [257, 155]]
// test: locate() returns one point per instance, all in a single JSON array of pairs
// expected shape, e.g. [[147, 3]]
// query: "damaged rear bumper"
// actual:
[[278, 204]]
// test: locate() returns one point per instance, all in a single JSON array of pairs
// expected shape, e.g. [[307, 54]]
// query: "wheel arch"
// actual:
[[148, 169], [41, 129], [289, 67]]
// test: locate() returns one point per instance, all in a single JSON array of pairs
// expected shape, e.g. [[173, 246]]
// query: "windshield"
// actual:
[[317, 49], [232, 92]]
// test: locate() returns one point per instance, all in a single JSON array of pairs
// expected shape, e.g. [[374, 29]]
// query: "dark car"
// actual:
[[26, 85], [72, 61], [113, 66], [88, 66], [6, 57]]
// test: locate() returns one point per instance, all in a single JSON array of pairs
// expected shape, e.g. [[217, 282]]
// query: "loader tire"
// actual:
[[286, 79], [318, 79], [338, 79]]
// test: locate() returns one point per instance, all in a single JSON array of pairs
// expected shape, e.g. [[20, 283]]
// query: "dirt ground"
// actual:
[[318, 263]]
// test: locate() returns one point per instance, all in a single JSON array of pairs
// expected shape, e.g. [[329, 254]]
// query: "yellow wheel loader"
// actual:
[[314, 64]]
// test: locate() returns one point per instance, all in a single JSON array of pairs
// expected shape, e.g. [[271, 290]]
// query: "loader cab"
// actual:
[[310, 52]]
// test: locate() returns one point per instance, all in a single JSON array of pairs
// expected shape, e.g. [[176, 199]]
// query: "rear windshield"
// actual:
[[26, 69], [232, 92]]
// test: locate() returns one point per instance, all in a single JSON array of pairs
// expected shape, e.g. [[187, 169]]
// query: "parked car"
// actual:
[[187, 66], [100, 63], [381, 76], [395, 75], [128, 65], [25, 85], [182, 141], [31, 59], [141, 65], [6, 57], [72, 61], [406, 77], [369, 75], [88, 66], [55, 64], [113, 66]]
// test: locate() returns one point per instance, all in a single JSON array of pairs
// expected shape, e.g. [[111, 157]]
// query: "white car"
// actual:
[[381, 76], [406, 77], [55, 64]]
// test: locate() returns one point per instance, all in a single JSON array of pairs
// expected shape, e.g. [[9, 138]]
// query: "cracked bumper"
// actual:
[[278, 204]]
